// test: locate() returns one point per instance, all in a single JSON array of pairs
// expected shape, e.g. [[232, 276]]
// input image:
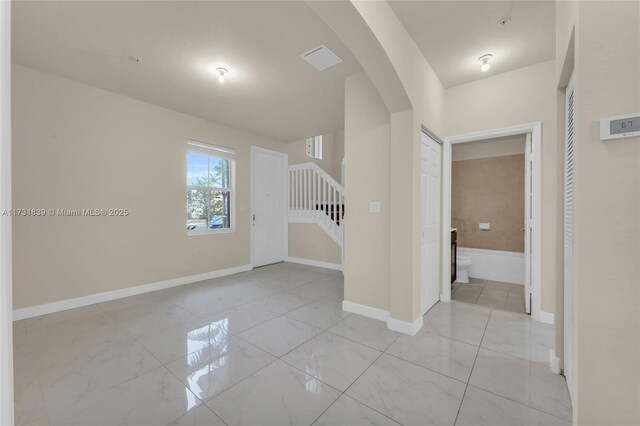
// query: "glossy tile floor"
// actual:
[[494, 294], [273, 347]]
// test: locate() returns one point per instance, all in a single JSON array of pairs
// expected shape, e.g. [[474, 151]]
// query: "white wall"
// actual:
[[76, 146]]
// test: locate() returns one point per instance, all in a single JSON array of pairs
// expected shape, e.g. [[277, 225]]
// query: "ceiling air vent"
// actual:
[[321, 57]]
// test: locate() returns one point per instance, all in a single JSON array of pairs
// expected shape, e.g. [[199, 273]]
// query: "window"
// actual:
[[314, 147], [210, 188]]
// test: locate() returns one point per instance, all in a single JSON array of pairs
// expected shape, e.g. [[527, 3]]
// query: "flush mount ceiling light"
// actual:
[[221, 73], [484, 60]]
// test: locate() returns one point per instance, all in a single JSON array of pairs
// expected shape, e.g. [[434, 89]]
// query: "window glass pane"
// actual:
[[197, 169], [219, 210], [197, 209], [219, 169]]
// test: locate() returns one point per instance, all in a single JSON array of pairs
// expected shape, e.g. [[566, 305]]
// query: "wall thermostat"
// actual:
[[622, 126]]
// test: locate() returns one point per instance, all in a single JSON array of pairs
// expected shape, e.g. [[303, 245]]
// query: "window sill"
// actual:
[[212, 232]]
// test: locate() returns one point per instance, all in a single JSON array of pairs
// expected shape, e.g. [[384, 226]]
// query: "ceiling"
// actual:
[[452, 35], [269, 89]]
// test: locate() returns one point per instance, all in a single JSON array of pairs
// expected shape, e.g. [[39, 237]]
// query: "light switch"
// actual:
[[374, 206], [485, 226]]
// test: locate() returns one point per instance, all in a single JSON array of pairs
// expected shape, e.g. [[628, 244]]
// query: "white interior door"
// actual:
[[431, 165], [528, 222], [269, 206], [568, 234]]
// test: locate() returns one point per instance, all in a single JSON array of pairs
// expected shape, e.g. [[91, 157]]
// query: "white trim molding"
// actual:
[[318, 263], [554, 362], [546, 317], [536, 236], [365, 311], [404, 327], [63, 305], [495, 265]]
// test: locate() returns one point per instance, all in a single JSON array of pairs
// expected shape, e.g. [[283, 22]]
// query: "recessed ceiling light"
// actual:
[[484, 60], [221, 73]]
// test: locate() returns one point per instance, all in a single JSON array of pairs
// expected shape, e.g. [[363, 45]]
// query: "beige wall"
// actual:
[[487, 148], [606, 290], [406, 85], [75, 146], [489, 190], [518, 97], [310, 241], [297, 152], [427, 98], [338, 154], [366, 248]]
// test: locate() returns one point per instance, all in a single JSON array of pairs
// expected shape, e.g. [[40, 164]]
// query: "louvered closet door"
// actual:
[[568, 232]]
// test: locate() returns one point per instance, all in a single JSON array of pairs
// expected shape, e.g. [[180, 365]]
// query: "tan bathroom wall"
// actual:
[[489, 190]]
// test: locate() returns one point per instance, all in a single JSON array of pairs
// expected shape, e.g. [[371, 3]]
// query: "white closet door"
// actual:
[[568, 232], [431, 166]]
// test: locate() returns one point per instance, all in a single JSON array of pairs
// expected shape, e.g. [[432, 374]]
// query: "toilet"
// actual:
[[463, 263]]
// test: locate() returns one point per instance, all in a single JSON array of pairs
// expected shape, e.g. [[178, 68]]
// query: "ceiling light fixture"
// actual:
[[221, 73], [484, 59]]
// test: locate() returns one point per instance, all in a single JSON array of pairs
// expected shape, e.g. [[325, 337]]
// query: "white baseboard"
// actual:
[[495, 265], [404, 327], [546, 317], [554, 362], [319, 264], [63, 305], [365, 311]]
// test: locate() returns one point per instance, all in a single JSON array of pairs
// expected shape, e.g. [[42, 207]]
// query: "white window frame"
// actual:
[[222, 152], [314, 147]]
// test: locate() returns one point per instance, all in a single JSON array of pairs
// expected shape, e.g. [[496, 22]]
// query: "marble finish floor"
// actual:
[[273, 347], [493, 294]]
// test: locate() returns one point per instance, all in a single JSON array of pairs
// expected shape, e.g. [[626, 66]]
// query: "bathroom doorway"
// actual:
[[499, 232]]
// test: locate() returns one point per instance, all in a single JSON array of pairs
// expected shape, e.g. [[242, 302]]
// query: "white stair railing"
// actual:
[[316, 197]]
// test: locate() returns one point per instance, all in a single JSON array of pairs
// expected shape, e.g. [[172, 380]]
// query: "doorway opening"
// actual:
[[488, 219], [510, 257]]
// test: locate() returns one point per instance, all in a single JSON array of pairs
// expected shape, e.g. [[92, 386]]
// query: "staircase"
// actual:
[[316, 197]]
